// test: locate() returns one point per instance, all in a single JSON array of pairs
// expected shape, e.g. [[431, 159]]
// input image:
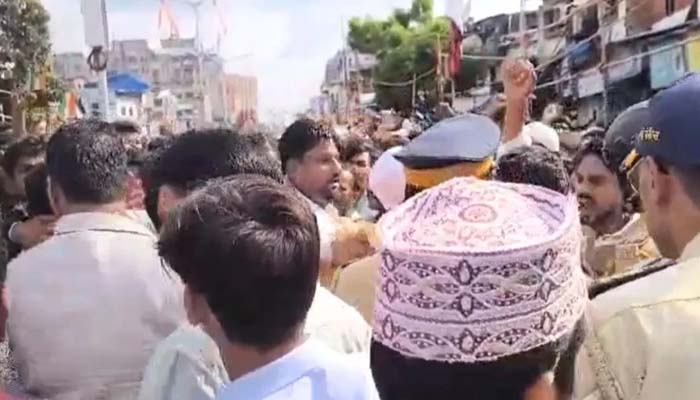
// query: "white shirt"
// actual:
[[309, 372], [89, 306], [326, 231], [188, 365]]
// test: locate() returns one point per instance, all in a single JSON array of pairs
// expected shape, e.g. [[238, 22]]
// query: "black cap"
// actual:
[[673, 133], [466, 138], [623, 132]]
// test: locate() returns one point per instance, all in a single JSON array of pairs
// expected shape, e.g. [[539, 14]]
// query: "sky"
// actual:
[[285, 43]]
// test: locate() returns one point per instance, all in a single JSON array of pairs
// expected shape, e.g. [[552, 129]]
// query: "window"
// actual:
[[158, 102], [670, 7], [123, 111], [131, 111]]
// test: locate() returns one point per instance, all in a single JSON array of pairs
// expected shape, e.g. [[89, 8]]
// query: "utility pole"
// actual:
[[96, 30], [604, 68], [344, 66], [199, 51]]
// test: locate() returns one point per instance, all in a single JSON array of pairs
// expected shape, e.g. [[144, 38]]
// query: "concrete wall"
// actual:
[[642, 14]]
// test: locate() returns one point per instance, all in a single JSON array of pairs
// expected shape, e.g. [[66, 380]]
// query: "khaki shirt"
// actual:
[[357, 284], [617, 253], [643, 337]]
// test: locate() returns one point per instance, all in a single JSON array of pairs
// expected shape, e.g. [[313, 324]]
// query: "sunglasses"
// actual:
[[631, 168]]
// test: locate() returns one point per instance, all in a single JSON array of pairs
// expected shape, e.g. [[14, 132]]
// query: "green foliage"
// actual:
[[405, 44], [24, 39]]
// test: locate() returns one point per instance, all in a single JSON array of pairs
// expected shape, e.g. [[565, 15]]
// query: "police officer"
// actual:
[[644, 333]]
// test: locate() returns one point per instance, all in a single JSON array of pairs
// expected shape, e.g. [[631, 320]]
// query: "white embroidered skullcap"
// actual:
[[387, 180], [475, 271]]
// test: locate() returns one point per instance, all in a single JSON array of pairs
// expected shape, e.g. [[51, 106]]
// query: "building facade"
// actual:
[[71, 66], [347, 81], [195, 79], [242, 98]]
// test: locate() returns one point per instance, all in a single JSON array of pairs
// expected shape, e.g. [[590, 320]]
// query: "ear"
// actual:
[[659, 183], [292, 166], [168, 198], [56, 197]]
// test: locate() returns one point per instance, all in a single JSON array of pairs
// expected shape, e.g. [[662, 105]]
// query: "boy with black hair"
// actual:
[[247, 249]]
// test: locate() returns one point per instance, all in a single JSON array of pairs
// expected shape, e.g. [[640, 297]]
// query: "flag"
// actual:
[[455, 11]]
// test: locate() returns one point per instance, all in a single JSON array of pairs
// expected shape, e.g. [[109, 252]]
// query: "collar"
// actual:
[[100, 222], [634, 230], [275, 376], [692, 250]]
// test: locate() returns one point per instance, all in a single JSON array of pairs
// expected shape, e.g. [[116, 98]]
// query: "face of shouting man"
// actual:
[[317, 174], [311, 160], [601, 199]]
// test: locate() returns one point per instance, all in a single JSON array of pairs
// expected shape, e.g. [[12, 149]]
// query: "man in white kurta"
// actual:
[[89, 305]]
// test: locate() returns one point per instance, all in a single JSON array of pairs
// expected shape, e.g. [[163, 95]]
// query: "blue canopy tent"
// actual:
[[127, 84]]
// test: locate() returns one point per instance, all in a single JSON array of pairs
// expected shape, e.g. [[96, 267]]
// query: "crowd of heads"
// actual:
[[236, 221]]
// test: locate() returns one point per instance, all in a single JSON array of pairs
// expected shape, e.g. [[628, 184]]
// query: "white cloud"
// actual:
[[286, 46]]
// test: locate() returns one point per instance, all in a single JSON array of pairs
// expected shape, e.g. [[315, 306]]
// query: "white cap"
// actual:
[[387, 180], [543, 135]]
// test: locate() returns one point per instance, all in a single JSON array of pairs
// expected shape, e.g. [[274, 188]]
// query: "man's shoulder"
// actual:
[[662, 284], [337, 324], [327, 307]]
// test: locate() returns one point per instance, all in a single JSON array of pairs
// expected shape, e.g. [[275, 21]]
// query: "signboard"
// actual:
[[667, 67], [693, 55], [625, 70], [590, 83]]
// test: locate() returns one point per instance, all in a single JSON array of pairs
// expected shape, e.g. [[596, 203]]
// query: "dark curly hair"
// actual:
[[534, 165]]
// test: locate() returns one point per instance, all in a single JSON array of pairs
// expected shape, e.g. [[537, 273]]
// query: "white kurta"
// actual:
[[88, 307]]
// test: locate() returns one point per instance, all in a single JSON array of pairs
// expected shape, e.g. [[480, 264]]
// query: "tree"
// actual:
[[405, 45], [24, 52]]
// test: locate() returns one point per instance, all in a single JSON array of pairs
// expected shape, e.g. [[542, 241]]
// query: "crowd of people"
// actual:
[[471, 262]]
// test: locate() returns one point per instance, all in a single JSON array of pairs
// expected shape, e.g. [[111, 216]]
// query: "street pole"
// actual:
[[104, 93], [604, 68]]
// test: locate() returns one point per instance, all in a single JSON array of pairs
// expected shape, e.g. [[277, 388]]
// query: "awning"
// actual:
[[127, 84]]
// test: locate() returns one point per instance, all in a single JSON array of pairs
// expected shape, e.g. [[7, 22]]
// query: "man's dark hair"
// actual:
[[355, 145], [401, 378], [88, 162], [28, 147], [196, 157], [300, 137], [35, 186], [534, 165], [250, 246]]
